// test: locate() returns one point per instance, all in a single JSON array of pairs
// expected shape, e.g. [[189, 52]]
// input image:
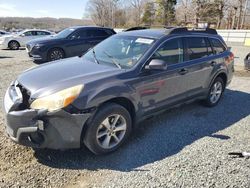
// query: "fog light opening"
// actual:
[[36, 138]]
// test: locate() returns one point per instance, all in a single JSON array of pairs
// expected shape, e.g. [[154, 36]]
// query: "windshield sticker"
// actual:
[[144, 40]]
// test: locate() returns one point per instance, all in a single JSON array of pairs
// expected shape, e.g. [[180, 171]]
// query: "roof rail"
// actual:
[[177, 30]]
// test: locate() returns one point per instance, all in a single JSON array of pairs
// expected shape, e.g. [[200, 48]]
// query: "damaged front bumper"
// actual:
[[43, 129]]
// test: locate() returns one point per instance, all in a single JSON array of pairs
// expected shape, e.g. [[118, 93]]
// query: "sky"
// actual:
[[43, 8]]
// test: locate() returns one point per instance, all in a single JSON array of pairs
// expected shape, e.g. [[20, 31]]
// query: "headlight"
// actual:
[[57, 100], [38, 46]]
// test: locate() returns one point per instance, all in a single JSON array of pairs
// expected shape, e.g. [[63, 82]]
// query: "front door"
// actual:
[[158, 88], [77, 43]]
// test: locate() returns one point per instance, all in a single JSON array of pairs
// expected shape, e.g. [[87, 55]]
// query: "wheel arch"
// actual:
[[13, 40], [124, 102], [223, 76]]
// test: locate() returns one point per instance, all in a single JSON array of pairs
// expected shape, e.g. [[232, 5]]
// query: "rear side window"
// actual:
[[42, 33], [171, 51], [197, 47], [97, 33], [109, 32], [217, 46]]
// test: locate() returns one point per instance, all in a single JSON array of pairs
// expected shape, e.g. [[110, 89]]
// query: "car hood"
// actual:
[[44, 40], [55, 76]]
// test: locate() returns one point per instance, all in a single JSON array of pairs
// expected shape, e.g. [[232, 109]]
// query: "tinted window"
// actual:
[[109, 32], [217, 46], [79, 34], [42, 33], [65, 33], [97, 33], [28, 33], [197, 47], [171, 51]]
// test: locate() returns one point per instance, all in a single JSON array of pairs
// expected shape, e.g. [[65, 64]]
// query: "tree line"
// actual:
[[223, 14], [53, 24]]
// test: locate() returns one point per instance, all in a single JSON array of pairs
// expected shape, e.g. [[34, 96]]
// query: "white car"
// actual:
[[2, 33], [15, 41]]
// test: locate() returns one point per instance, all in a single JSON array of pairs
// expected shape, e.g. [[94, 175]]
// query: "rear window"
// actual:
[[217, 46], [197, 47]]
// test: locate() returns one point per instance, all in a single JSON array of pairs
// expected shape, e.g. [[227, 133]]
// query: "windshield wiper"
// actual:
[[96, 60], [112, 59]]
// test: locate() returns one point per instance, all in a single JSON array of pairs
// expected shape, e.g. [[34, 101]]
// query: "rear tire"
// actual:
[[108, 129], [55, 54], [14, 45], [215, 92]]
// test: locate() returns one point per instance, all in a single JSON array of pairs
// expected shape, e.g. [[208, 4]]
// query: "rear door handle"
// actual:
[[183, 71]]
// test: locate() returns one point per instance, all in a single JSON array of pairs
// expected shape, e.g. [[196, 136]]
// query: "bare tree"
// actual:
[[138, 6]]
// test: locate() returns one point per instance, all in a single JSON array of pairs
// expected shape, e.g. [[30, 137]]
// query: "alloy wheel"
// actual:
[[55, 55], [216, 92], [111, 131]]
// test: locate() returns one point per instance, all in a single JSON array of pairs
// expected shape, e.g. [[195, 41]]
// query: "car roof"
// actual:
[[148, 33], [90, 27], [158, 33], [35, 30]]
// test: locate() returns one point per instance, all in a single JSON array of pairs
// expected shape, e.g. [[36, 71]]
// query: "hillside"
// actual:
[[54, 24]]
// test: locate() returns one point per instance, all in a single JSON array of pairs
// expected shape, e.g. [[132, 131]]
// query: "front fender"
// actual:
[[103, 94]]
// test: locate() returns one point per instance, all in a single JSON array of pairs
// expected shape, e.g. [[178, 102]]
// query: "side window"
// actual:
[[41, 33], [171, 51], [97, 33], [79, 34], [217, 46], [197, 47], [109, 32], [28, 33]]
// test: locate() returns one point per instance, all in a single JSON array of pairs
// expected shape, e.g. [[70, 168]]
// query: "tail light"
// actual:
[[229, 59], [231, 56]]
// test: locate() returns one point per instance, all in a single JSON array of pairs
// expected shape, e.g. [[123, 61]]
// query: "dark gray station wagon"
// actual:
[[97, 99]]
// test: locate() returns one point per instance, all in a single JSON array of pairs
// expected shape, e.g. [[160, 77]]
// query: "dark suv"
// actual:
[[70, 42], [97, 99]]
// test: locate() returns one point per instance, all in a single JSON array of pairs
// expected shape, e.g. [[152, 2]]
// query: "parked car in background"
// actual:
[[70, 42], [2, 33], [97, 99], [17, 40]]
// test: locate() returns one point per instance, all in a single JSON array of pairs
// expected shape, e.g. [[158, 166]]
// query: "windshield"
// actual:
[[120, 51], [64, 33]]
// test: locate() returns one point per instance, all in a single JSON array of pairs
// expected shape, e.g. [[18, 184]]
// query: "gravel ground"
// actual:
[[184, 147]]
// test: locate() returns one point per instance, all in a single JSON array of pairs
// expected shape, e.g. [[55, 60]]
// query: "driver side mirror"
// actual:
[[22, 35], [156, 64]]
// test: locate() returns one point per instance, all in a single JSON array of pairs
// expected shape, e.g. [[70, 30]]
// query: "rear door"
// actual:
[[200, 60], [96, 35]]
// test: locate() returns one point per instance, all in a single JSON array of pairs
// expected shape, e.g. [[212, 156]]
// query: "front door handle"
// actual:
[[183, 71]]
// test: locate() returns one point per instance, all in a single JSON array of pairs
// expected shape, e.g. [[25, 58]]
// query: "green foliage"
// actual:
[[149, 13], [165, 11]]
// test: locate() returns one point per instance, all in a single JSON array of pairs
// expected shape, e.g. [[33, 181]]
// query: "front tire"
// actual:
[[215, 92], [108, 129], [55, 54], [14, 45]]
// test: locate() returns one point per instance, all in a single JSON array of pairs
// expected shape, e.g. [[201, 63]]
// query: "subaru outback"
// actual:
[[99, 98]]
